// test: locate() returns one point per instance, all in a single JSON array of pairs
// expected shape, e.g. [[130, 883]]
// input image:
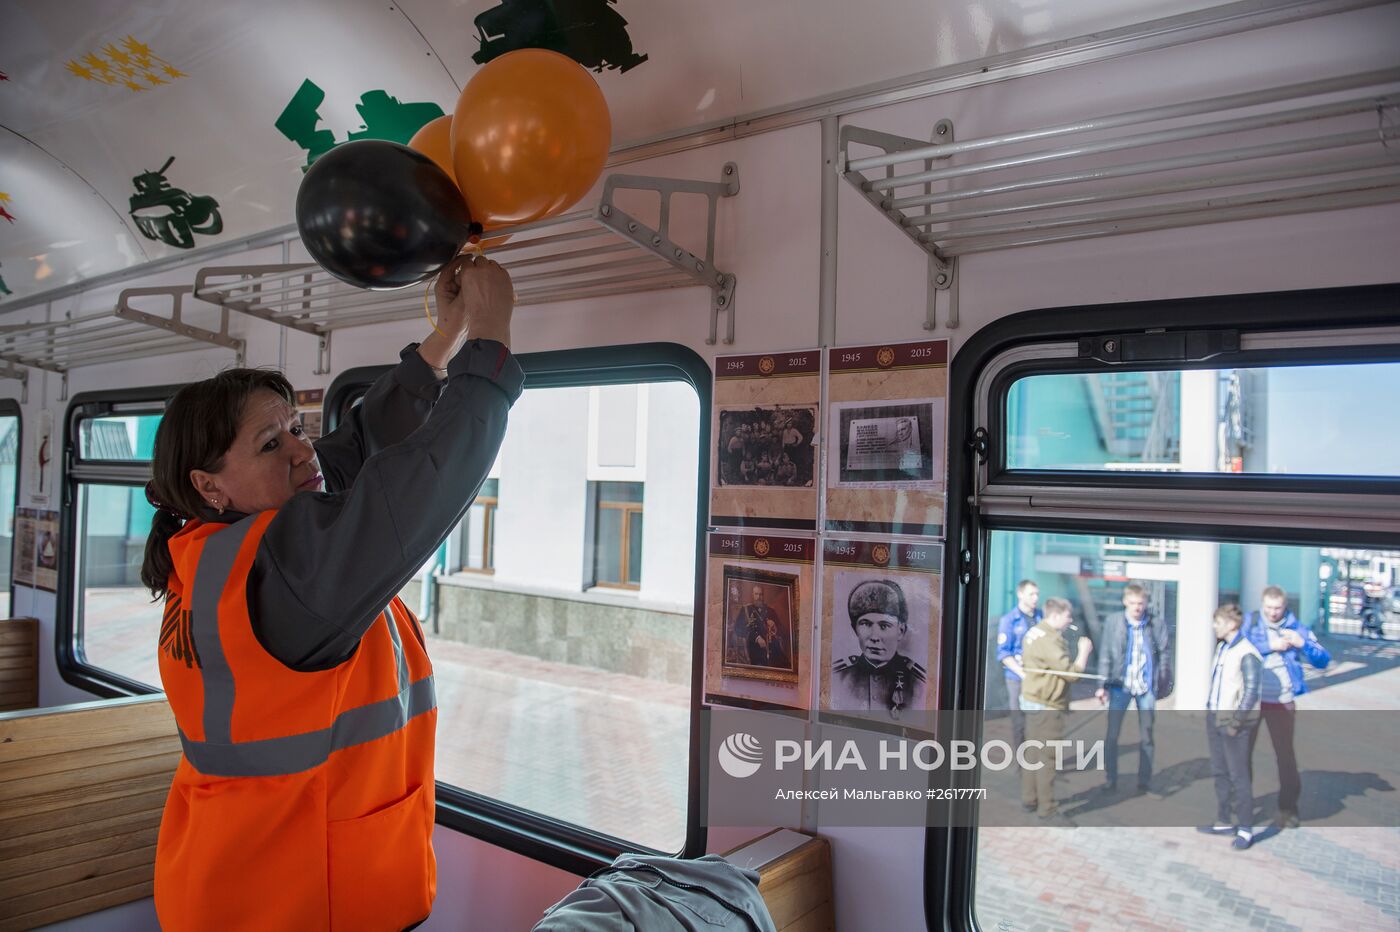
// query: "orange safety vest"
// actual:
[[302, 800]]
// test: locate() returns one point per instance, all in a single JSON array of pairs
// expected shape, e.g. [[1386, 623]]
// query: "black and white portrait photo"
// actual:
[[880, 642], [767, 446], [883, 444]]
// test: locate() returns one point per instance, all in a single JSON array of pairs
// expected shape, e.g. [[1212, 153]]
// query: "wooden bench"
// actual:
[[19, 663], [81, 793], [794, 878]]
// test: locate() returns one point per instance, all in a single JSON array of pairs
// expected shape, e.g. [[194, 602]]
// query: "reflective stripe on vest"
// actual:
[[218, 755]]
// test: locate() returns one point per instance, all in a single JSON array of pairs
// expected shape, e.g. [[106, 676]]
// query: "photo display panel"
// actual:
[[759, 620], [882, 620], [764, 441], [887, 438]]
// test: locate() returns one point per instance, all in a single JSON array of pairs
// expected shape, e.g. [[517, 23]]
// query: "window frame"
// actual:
[[11, 408], [489, 504], [624, 542], [68, 622], [977, 466], [569, 847]]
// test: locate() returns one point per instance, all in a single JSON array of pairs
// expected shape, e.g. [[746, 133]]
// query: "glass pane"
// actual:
[[120, 623], [124, 438], [1281, 420], [619, 491], [474, 539], [9, 466], [1345, 599], [489, 488], [537, 673], [634, 548], [607, 546]]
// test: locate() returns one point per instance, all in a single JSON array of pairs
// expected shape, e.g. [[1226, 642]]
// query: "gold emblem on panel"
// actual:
[[761, 547], [884, 357], [880, 554], [766, 365]]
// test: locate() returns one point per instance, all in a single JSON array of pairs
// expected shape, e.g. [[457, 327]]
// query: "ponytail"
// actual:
[[158, 564]]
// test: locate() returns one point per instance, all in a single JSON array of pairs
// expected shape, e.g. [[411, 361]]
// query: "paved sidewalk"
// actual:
[[1040, 878]]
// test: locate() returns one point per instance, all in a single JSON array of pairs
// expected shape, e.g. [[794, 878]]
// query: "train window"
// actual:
[[9, 495], [1102, 487], [563, 635], [122, 438], [108, 623], [1348, 597], [1133, 420]]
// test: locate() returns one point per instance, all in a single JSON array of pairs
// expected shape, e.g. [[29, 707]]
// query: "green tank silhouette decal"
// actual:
[[170, 215], [385, 118], [590, 32]]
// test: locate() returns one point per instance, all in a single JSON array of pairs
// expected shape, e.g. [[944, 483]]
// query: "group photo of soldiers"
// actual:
[[771, 446]]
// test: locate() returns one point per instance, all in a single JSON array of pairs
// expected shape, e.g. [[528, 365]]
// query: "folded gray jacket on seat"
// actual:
[[639, 891]]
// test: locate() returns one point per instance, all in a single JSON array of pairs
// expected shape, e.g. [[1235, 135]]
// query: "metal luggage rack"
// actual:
[[955, 210], [123, 333], [584, 254]]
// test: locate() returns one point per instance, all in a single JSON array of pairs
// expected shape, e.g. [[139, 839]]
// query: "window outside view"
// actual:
[[9, 466], [1341, 600], [560, 622]]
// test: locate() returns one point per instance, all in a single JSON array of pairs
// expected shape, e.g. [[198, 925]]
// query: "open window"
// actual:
[[1243, 447], [563, 629]]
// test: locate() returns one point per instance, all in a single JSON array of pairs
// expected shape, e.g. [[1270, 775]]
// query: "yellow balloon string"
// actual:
[[469, 249]]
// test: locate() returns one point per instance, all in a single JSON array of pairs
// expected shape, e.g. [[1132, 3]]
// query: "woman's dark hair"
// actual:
[[199, 426]]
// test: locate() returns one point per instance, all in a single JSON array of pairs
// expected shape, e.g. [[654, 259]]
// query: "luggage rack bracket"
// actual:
[[584, 254], [1328, 144]]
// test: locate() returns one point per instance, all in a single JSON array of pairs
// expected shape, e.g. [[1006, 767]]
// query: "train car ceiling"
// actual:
[[147, 132]]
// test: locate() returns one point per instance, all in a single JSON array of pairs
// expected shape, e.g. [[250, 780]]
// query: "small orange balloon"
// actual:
[[434, 139], [530, 136]]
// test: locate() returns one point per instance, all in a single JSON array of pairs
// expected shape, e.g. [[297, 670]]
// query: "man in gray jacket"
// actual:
[[1135, 662]]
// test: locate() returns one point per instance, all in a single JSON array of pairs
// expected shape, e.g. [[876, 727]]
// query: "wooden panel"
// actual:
[[797, 885], [81, 794], [19, 663], [86, 869], [44, 861], [80, 907], [28, 822]]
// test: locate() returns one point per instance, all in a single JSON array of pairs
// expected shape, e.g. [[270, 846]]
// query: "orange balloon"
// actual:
[[530, 137], [434, 139]]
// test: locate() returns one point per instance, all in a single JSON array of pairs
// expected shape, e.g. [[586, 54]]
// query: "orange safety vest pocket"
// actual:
[[383, 875], [239, 840]]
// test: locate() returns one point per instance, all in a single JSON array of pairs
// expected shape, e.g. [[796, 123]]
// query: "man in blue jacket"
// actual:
[[1011, 630], [1276, 633]]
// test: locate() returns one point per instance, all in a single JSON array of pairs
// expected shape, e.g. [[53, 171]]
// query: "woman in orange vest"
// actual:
[[299, 681]]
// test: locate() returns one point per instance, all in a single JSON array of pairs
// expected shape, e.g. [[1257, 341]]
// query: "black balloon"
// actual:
[[379, 215]]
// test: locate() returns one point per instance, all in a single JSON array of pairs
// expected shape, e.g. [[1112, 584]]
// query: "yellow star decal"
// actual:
[[4, 198], [116, 54], [96, 63], [77, 69], [154, 78], [127, 70], [139, 49], [133, 85], [173, 72]]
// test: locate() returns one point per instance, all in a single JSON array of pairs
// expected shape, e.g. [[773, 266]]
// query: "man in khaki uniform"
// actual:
[[1046, 696]]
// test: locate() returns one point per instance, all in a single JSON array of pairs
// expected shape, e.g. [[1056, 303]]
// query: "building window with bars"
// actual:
[[617, 534]]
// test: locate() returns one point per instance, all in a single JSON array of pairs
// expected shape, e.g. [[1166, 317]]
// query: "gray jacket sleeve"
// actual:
[[398, 480]]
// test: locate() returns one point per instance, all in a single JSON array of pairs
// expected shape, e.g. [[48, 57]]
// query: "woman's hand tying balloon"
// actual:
[[475, 297]]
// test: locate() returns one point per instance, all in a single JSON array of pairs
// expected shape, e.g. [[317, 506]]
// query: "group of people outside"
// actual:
[[1256, 673]]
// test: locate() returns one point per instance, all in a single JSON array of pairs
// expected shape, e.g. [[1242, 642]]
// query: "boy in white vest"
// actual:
[[1232, 716]]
